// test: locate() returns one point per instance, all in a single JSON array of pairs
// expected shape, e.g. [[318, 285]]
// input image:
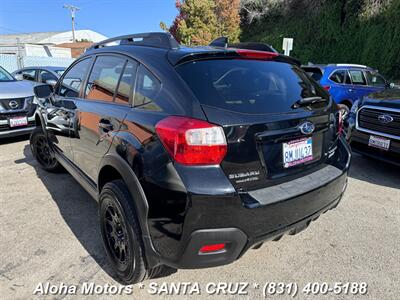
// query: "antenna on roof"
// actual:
[[73, 10], [162, 40]]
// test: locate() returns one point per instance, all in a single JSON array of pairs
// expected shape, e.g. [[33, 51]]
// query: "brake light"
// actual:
[[253, 54], [327, 87], [212, 248], [192, 141]]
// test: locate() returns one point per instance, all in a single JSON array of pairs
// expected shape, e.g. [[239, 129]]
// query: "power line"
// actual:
[[73, 9]]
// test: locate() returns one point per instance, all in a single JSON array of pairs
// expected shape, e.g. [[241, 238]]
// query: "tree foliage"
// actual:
[[200, 21], [330, 31]]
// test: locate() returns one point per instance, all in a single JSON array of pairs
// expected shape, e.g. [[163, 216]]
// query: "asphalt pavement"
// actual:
[[49, 234]]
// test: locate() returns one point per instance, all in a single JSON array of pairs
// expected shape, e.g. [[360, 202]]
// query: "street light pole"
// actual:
[[73, 10]]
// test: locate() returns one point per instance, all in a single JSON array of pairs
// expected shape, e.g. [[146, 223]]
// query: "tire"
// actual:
[[42, 151], [121, 234]]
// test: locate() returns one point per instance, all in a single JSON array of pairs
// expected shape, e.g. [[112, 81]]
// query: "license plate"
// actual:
[[19, 121], [379, 142], [297, 152]]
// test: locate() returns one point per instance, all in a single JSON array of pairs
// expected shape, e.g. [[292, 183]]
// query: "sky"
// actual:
[[108, 17]]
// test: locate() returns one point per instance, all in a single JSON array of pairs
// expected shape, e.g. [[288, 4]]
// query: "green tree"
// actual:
[[200, 21], [228, 18], [198, 25]]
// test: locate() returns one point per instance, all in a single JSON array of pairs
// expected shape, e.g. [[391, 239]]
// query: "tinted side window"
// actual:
[[73, 79], [29, 75], [339, 76], [147, 88], [375, 79], [357, 77], [44, 76], [126, 82], [104, 77]]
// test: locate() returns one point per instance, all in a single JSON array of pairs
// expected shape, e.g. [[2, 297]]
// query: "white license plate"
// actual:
[[379, 142], [19, 121], [297, 152]]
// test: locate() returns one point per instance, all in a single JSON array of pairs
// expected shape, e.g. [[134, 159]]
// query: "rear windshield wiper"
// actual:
[[307, 101]]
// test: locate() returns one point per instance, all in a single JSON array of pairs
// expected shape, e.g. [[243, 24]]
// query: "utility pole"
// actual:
[[73, 10]]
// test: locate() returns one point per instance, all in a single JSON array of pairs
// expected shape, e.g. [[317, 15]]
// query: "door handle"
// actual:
[[351, 90], [105, 125]]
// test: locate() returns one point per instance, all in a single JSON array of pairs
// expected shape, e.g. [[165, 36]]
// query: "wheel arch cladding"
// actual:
[[114, 167], [347, 102]]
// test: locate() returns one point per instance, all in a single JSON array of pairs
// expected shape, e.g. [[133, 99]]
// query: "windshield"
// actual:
[[5, 76], [250, 86]]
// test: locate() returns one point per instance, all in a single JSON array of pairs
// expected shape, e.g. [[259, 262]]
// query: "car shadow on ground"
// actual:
[[14, 139], [79, 211], [374, 171]]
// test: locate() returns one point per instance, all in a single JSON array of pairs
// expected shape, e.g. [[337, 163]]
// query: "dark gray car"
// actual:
[[17, 106], [43, 74]]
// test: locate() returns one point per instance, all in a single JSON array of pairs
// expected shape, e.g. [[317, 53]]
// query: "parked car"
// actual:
[[17, 107], [45, 74], [347, 83], [374, 126], [195, 154]]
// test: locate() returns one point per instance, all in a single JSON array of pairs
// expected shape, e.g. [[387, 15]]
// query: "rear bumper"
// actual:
[[214, 219]]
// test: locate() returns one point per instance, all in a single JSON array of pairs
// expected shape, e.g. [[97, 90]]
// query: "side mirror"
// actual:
[[51, 82], [43, 91], [19, 77]]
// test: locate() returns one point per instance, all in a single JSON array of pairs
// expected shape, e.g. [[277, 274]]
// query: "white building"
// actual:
[[43, 43]]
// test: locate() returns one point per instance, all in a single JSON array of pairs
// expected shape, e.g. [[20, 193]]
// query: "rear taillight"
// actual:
[[212, 248], [192, 141], [252, 54], [327, 87]]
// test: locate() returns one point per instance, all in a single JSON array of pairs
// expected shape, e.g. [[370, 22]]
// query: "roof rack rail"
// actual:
[[162, 40], [351, 65]]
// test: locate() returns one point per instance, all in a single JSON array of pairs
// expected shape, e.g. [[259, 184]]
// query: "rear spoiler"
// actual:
[[256, 47], [221, 49]]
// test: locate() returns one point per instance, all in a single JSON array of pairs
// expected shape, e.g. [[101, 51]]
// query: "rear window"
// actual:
[[247, 86]]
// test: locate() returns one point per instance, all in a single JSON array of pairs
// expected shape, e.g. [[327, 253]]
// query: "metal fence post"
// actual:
[[20, 62]]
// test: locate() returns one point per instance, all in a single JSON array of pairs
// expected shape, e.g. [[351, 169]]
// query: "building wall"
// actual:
[[47, 51], [36, 50], [76, 48]]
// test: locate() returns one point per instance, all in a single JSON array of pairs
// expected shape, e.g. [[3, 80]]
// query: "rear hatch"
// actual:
[[270, 140]]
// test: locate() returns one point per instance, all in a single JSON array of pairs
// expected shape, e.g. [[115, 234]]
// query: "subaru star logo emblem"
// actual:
[[307, 128], [385, 119], [13, 104]]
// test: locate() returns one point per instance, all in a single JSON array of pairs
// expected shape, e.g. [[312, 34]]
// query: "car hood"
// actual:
[[387, 98], [15, 89]]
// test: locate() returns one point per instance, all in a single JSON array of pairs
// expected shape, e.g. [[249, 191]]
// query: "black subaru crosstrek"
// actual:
[[194, 154]]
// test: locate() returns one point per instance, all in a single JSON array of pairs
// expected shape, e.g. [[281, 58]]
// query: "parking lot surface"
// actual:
[[49, 233]]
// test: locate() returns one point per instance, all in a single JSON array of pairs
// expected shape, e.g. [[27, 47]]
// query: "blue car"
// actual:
[[347, 82]]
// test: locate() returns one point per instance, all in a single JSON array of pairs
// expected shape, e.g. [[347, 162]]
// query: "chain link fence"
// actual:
[[12, 62]]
